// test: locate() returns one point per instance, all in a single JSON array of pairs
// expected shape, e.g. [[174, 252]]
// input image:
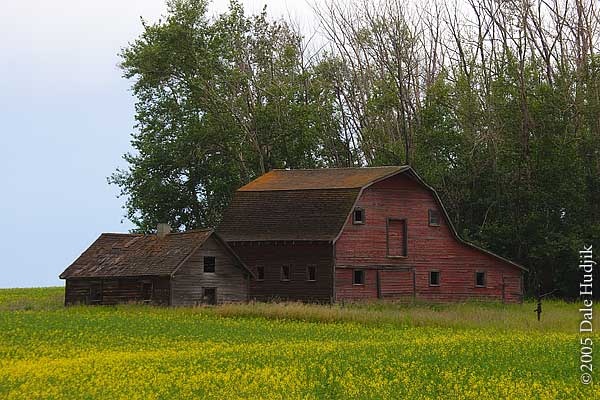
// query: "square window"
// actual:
[[260, 273], [434, 278], [358, 216], [480, 279], [311, 273], [358, 277], [209, 264], [285, 272], [434, 218]]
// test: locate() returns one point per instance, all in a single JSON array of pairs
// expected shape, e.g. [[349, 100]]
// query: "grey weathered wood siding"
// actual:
[[117, 290], [230, 280]]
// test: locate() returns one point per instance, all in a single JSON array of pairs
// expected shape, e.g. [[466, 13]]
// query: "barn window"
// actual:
[[480, 279], [311, 273], [397, 238], [209, 264], [358, 216], [285, 272], [434, 218], [358, 277], [434, 278], [260, 273]]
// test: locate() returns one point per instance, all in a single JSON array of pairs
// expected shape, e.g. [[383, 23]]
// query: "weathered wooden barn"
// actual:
[[186, 268], [358, 233]]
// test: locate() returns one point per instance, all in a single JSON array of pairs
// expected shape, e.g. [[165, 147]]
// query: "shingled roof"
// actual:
[[303, 204], [324, 178], [122, 254]]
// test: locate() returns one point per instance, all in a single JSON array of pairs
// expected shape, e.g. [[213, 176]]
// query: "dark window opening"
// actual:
[[209, 295], [96, 293], [147, 291], [480, 279], [260, 273], [285, 272], [358, 277], [209, 264], [434, 278], [311, 273], [397, 237], [434, 218], [358, 216]]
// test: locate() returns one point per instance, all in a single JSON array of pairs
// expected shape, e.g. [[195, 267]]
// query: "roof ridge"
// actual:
[[353, 188], [197, 230], [121, 234], [321, 169]]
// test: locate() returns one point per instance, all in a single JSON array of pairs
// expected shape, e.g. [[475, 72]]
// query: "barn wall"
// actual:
[[230, 280], [298, 255], [429, 248], [116, 290]]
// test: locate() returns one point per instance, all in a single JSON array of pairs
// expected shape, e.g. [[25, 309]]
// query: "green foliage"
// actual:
[[511, 142], [219, 102]]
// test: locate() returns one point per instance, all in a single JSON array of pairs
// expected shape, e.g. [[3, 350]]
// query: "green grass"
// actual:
[[281, 351]]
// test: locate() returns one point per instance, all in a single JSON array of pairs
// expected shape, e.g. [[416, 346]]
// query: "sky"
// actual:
[[67, 116]]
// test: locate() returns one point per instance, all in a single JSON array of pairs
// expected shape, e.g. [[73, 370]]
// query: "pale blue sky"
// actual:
[[67, 116]]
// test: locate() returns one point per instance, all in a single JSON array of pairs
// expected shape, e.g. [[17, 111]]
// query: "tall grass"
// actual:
[[44, 298], [558, 316]]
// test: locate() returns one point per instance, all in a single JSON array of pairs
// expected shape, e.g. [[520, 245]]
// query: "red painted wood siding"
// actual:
[[396, 284], [396, 237], [348, 291], [428, 248]]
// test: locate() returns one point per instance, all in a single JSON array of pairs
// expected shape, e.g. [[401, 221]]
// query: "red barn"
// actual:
[[358, 233]]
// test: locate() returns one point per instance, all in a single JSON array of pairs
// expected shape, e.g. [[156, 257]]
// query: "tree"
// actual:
[[219, 102], [495, 103]]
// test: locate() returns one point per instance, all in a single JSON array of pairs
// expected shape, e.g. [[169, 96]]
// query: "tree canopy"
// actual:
[[495, 103]]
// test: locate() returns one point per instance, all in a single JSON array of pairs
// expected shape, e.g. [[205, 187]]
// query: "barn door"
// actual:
[[147, 291], [95, 296], [396, 284], [209, 295]]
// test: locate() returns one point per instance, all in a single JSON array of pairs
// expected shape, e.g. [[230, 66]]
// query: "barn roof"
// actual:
[[323, 179], [122, 254], [302, 204], [308, 204]]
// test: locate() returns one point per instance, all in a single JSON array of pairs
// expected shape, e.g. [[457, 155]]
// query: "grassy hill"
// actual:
[[286, 351]]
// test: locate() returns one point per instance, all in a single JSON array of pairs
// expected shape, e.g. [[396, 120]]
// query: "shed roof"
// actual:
[[123, 254]]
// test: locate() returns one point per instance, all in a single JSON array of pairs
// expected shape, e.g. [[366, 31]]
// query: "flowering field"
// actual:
[[140, 352]]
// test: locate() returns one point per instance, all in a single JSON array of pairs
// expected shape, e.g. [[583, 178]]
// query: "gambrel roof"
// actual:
[[128, 255], [308, 204], [302, 204]]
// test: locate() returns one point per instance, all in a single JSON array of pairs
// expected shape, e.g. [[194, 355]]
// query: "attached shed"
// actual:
[[188, 268]]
